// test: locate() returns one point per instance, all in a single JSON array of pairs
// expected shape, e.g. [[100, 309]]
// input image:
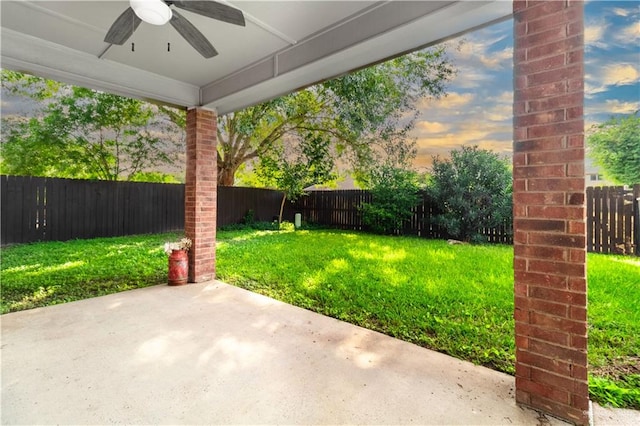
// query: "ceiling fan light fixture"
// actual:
[[154, 12]]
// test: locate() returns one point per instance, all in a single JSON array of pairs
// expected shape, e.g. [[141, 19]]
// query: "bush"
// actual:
[[255, 226], [394, 194], [286, 226], [474, 191], [615, 147]]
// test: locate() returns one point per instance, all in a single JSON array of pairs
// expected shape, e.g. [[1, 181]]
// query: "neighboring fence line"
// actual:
[[613, 217], [51, 209], [340, 209], [235, 204], [613, 220]]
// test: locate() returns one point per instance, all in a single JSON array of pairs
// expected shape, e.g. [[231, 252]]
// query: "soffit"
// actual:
[[284, 45]]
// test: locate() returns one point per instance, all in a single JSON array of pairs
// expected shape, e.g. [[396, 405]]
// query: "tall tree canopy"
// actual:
[[358, 113], [361, 115], [615, 148], [81, 133]]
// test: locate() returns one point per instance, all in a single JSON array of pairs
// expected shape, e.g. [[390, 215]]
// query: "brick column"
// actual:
[[201, 193], [549, 209]]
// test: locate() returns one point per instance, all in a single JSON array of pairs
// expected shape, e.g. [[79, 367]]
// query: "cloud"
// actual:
[[498, 60], [614, 106], [479, 109], [465, 119], [618, 11], [431, 127], [468, 132], [472, 77], [499, 113], [479, 51], [499, 108], [442, 147], [503, 97], [621, 75], [630, 34], [452, 100], [600, 78], [594, 35], [477, 60]]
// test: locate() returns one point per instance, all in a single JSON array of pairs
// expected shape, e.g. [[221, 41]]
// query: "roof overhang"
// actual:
[[285, 46]]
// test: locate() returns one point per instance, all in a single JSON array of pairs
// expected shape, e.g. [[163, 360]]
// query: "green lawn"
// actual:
[[44, 274], [455, 299]]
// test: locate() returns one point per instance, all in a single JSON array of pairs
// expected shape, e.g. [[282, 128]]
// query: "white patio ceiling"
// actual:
[[284, 46]]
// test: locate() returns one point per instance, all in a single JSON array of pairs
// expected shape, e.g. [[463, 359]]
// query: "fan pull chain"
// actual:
[[133, 29]]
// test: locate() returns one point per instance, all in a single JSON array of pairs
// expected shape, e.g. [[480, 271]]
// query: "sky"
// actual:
[[478, 108]]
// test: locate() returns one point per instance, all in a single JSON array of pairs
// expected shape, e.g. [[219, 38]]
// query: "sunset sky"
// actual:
[[478, 109]]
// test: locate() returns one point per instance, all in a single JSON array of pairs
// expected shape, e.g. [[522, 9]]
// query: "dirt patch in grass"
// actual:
[[619, 368]]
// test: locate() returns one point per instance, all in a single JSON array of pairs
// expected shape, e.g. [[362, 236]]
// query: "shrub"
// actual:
[[394, 194], [286, 226], [256, 226], [473, 190], [615, 147]]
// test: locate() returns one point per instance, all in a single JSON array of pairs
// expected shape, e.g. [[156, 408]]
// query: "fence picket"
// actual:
[[619, 234]]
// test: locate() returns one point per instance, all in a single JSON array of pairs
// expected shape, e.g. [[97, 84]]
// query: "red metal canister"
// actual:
[[178, 267]]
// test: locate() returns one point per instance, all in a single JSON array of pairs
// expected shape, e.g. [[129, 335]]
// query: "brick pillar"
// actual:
[[201, 193], [549, 209]]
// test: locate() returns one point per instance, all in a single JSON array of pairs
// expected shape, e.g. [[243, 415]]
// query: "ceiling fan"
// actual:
[[159, 12]]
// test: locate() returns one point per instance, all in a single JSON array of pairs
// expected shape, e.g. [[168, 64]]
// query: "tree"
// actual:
[[394, 193], [354, 113], [40, 89], [292, 172], [615, 148], [81, 133], [474, 191]]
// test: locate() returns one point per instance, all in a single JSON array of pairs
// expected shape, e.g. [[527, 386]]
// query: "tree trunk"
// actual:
[[226, 175], [284, 198]]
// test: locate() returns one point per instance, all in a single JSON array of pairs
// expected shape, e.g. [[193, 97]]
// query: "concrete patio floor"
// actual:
[[216, 354]]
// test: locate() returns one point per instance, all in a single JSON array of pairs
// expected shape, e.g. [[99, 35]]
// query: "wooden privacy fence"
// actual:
[[235, 204], [340, 209], [613, 217], [50, 209], [613, 220]]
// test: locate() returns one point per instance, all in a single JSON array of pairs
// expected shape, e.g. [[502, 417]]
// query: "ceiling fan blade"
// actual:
[[192, 35], [123, 27], [212, 9]]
